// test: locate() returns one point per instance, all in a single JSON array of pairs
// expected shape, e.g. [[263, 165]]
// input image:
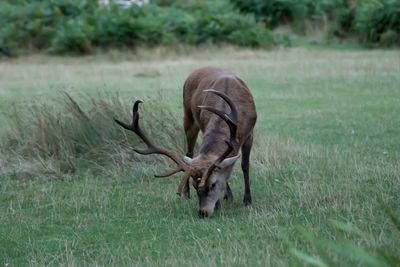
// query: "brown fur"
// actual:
[[215, 130]]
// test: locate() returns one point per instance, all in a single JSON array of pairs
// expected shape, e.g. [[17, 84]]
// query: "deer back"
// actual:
[[214, 130]]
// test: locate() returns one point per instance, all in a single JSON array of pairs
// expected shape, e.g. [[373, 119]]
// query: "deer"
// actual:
[[220, 105]]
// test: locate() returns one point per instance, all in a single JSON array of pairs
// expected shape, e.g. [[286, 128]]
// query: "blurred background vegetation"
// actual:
[[85, 27]]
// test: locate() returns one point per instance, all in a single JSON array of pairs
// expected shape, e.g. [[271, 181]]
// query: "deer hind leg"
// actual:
[[246, 148]]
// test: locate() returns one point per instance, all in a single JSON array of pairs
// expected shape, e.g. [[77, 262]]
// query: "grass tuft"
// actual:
[[65, 135]]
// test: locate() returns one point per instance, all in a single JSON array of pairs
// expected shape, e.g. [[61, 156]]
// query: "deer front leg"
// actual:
[[191, 132], [246, 148], [228, 193]]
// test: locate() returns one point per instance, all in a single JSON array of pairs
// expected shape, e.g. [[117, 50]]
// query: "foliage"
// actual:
[[372, 21], [378, 22], [276, 12], [82, 26], [330, 251], [34, 24]]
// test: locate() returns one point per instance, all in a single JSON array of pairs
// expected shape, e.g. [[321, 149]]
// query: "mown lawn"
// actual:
[[327, 149]]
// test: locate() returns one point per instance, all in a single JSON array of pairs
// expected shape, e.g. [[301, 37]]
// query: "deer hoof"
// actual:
[[228, 198], [247, 201]]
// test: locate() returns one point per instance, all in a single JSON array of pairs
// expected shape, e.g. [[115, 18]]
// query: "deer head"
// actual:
[[215, 179]]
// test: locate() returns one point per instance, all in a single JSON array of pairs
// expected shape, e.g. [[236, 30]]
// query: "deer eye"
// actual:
[[213, 185]]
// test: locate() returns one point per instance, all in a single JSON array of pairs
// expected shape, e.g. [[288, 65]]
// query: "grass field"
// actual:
[[327, 149]]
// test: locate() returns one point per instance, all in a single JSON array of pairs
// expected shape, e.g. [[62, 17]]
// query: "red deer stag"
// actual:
[[208, 95]]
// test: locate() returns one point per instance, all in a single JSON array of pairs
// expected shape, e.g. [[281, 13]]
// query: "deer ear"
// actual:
[[228, 162], [187, 160]]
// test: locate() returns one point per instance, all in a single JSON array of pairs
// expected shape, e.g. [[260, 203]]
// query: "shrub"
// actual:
[[378, 22], [220, 23], [276, 12], [63, 26], [35, 25], [75, 35]]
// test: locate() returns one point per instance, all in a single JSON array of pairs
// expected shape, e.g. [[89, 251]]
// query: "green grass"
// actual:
[[327, 148]]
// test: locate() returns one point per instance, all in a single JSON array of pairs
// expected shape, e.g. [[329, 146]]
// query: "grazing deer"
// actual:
[[208, 95]]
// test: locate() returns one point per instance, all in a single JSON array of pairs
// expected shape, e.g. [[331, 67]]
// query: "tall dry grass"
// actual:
[[67, 135]]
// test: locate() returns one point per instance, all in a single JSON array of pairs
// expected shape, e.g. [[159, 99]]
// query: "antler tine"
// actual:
[[233, 114], [231, 121], [169, 173], [135, 114], [182, 189], [151, 148], [136, 129]]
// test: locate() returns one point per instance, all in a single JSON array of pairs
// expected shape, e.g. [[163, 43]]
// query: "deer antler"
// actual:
[[151, 148], [231, 120], [182, 189]]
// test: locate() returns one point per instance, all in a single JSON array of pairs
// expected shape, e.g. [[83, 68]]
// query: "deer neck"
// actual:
[[214, 138]]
